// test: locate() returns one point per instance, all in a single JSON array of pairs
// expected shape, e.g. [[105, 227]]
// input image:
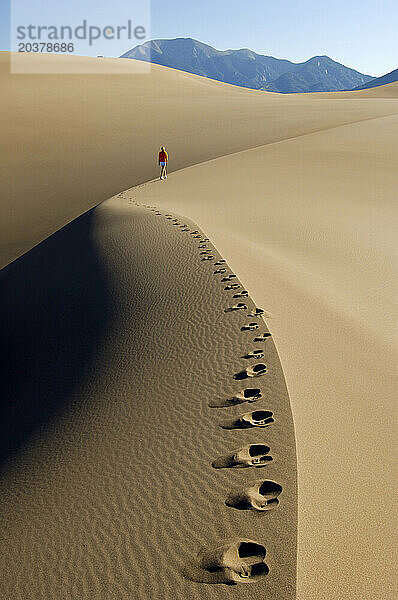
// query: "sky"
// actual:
[[361, 34]]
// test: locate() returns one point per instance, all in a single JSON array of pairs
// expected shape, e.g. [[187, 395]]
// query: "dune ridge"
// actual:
[[308, 225], [114, 494], [73, 140]]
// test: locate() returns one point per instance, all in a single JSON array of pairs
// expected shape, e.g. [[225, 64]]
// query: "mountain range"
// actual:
[[247, 69], [388, 78]]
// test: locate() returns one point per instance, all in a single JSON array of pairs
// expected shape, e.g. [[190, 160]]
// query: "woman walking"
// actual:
[[163, 160]]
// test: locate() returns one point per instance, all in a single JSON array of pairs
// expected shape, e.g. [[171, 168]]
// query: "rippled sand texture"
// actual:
[[301, 199], [119, 342], [309, 225]]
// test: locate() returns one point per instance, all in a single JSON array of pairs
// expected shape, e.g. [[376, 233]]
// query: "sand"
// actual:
[[109, 491], [297, 193], [310, 226], [72, 141]]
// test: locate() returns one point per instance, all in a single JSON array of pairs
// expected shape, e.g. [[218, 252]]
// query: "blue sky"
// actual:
[[359, 33]]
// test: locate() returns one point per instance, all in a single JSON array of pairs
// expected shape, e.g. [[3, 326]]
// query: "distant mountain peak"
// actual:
[[246, 68]]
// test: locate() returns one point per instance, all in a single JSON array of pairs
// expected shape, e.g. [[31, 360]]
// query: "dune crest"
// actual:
[[68, 147], [119, 370], [308, 225], [115, 484]]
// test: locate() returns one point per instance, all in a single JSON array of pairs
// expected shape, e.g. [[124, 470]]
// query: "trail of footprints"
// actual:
[[239, 560]]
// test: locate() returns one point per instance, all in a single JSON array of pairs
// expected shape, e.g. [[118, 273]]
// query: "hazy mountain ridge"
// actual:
[[318, 74], [248, 69], [387, 78]]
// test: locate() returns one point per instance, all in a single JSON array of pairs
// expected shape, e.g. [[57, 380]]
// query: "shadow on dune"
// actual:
[[54, 310]]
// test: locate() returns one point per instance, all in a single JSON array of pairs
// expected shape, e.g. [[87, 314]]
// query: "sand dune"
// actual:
[[297, 193], [71, 141], [390, 90], [108, 490], [309, 225]]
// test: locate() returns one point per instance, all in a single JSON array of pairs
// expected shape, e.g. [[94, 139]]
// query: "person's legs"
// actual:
[[162, 172]]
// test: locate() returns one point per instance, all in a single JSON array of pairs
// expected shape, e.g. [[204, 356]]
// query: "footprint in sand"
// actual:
[[262, 337], [250, 326], [261, 496], [254, 354], [247, 395], [239, 306], [222, 261], [233, 286], [257, 312], [208, 257], [242, 294], [252, 455], [230, 562], [255, 371], [205, 240], [202, 246], [218, 271], [228, 278], [194, 232], [204, 252], [256, 418]]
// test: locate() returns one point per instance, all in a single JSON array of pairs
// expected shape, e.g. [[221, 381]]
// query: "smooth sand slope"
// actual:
[[309, 225], [305, 218], [112, 492], [69, 142]]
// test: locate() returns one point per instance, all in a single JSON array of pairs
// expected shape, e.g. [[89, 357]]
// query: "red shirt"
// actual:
[[163, 157]]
